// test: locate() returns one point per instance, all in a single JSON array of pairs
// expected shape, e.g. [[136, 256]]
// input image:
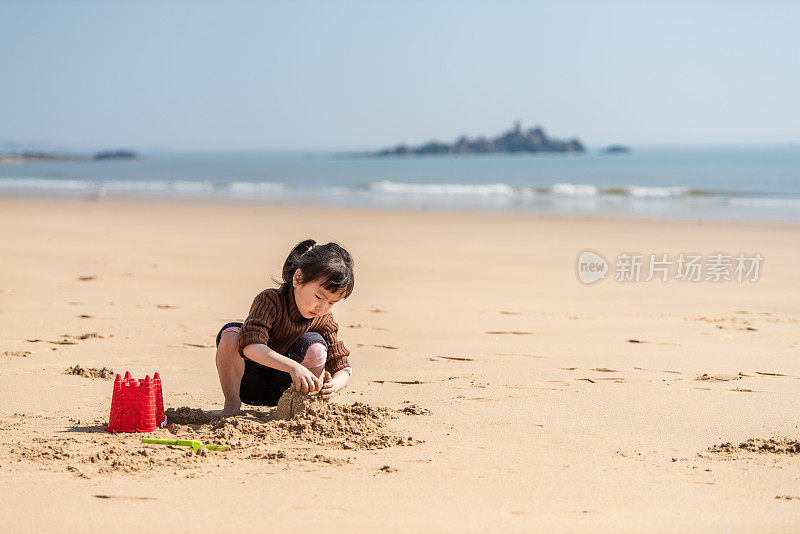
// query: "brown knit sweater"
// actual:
[[275, 321]]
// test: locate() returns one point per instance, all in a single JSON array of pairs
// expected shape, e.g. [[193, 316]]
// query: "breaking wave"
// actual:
[[561, 189]]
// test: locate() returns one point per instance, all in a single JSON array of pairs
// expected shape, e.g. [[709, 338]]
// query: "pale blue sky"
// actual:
[[357, 75]]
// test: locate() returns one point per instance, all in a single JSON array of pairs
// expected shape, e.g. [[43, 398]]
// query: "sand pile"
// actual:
[[294, 403], [309, 419], [90, 372], [771, 445], [296, 432], [297, 417], [187, 416]]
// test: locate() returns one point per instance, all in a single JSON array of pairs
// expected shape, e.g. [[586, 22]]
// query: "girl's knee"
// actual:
[[315, 356], [228, 344]]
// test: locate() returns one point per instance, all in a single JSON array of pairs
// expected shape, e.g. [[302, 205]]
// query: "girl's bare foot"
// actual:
[[231, 409]]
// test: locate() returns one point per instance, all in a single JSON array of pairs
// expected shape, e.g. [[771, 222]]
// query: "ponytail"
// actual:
[[293, 259]]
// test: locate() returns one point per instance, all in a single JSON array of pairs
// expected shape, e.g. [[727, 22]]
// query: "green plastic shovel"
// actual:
[[195, 445]]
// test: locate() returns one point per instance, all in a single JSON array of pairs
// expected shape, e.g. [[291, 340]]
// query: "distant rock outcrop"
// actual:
[[512, 141], [33, 156], [616, 149], [116, 154], [37, 156]]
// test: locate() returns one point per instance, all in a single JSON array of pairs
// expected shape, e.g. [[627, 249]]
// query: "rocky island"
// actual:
[[512, 141], [37, 156], [616, 149], [30, 156], [116, 154]]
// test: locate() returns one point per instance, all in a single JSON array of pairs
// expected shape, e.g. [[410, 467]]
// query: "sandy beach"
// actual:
[[495, 390]]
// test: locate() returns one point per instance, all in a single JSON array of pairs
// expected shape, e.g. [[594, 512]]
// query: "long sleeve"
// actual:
[[259, 322], [337, 352]]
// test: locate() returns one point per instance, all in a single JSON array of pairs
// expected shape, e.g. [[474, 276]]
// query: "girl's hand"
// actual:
[[304, 380], [331, 385]]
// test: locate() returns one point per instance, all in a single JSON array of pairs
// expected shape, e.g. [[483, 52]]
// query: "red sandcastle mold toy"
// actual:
[[137, 405]]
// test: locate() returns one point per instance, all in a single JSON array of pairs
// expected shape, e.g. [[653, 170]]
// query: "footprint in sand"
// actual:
[[745, 329], [673, 372], [513, 332], [453, 358], [17, 353], [705, 377], [59, 342], [615, 379], [88, 335], [413, 409], [634, 340], [66, 339], [403, 382], [663, 370], [124, 498], [479, 399]]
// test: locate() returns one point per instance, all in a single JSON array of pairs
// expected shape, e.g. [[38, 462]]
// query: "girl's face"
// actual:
[[312, 299]]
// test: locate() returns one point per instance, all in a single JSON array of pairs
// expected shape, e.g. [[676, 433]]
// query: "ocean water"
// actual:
[[749, 183]]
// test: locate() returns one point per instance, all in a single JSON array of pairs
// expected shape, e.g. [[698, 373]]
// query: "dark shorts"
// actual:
[[262, 385]]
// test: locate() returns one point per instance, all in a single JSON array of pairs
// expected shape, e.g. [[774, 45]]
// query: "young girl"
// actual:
[[289, 337]]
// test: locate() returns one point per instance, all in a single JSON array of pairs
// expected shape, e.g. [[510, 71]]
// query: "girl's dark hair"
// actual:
[[330, 264]]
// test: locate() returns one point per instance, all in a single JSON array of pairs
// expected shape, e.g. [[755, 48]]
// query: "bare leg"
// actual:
[[230, 367]]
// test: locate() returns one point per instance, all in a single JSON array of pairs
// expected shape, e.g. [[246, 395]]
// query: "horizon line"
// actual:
[[57, 148]]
